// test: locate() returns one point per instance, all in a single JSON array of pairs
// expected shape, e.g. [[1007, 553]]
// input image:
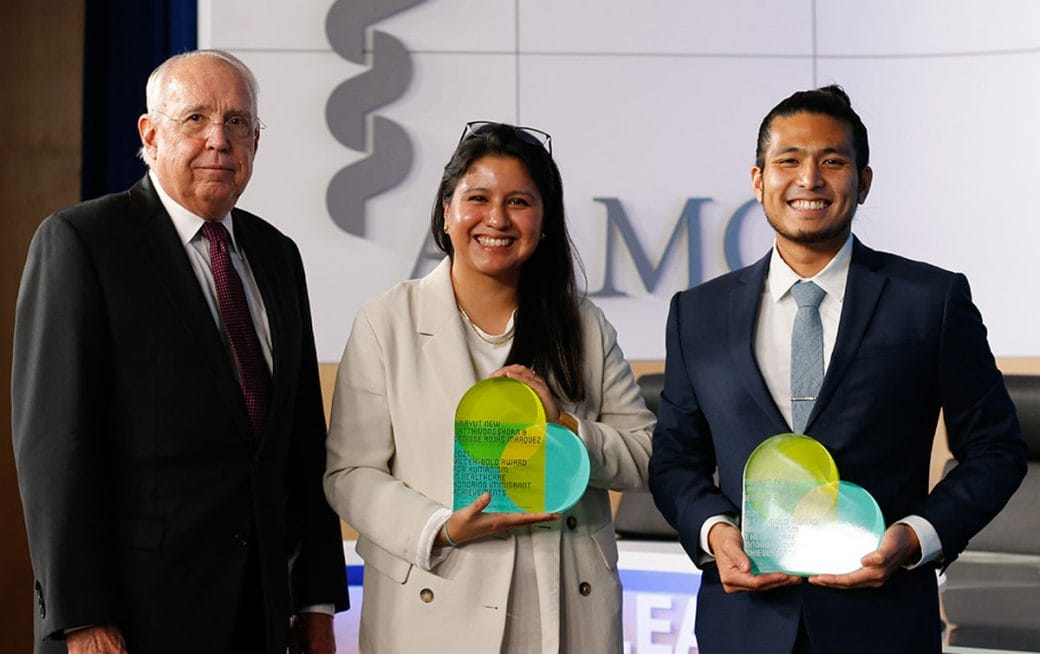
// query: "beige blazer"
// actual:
[[404, 370]]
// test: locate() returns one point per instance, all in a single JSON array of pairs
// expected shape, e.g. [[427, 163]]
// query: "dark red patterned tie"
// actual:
[[238, 324]]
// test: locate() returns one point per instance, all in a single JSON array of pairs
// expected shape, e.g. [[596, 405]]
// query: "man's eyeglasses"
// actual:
[[196, 124], [528, 134]]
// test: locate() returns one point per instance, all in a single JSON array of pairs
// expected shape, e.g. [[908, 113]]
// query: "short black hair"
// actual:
[[828, 100]]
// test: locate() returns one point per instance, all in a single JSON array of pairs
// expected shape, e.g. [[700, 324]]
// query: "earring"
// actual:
[[445, 227], [543, 236]]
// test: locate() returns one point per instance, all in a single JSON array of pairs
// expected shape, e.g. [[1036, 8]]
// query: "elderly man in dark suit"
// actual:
[[168, 426], [898, 341]]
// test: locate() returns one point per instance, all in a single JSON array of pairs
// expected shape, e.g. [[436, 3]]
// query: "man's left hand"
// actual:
[[311, 633], [899, 546]]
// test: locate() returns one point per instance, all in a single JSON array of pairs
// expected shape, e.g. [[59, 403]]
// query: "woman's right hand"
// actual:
[[471, 523]]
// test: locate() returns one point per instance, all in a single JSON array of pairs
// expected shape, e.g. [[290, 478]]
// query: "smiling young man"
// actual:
[[168, 426], [895, 341], [809, 184]]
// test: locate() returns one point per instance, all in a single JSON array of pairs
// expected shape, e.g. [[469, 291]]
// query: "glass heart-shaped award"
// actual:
[[798, 517], [504, 446]]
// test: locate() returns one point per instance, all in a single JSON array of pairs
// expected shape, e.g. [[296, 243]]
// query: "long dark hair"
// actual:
[[548, 336]]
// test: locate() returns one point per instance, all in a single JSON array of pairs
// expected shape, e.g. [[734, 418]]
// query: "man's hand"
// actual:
[[735, 566], [311, 633], [898, 547], [99, 639]]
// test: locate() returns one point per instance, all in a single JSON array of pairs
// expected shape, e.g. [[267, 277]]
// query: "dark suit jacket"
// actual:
[[910, 342], [142, 484]]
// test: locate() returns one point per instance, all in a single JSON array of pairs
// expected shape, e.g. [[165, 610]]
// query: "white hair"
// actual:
[[157, 80], [153, 89]]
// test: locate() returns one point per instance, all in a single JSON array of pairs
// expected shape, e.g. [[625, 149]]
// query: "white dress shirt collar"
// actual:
[[185, 222], [831, 279]]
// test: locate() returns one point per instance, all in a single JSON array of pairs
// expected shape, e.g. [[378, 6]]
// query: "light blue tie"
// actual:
[[806, 353]]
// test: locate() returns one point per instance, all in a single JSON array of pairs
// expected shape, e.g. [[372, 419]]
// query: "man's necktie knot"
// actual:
[[807, 294], [216, 234]]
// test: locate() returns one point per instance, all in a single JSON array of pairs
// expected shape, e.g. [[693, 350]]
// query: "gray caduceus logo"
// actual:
[[350, 105]]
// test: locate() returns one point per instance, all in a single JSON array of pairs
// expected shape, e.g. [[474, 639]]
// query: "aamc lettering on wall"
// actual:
[[620, 235]]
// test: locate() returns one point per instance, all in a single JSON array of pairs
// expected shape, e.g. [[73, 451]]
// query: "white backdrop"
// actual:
[[650, 105]]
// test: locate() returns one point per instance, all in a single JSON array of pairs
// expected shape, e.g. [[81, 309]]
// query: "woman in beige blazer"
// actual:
[[503, 302]]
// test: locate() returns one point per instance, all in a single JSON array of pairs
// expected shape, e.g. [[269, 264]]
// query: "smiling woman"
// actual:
[[502, 303], [494, 221]]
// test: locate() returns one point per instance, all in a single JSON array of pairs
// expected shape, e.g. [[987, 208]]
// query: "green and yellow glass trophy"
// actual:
[[798, 517], [504, 446]]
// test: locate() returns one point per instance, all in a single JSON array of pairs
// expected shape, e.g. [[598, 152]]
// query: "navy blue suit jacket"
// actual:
[[910, 342]]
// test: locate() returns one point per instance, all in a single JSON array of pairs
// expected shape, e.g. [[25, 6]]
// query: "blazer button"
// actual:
[[426, 595], [585, 588], [241, 540], [572, 523]]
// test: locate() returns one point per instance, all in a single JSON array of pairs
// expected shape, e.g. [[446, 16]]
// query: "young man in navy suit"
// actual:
[[900, 341]]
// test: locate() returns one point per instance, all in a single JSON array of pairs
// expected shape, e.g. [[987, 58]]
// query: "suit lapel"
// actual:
[[743, 314], [175, 275], [862, 292], [442, 336], [164, 254]]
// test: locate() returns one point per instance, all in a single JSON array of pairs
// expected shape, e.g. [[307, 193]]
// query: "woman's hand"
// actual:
[[537, 384], [471, 523]]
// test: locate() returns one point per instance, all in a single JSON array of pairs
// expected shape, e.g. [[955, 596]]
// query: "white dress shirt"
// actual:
[[773, 328], [189, 228]]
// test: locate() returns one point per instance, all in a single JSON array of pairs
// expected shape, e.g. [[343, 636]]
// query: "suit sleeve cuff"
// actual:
[[428, 555], [324, 609], [931, 547], [571, 422], [73, 630], [706, 527]]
